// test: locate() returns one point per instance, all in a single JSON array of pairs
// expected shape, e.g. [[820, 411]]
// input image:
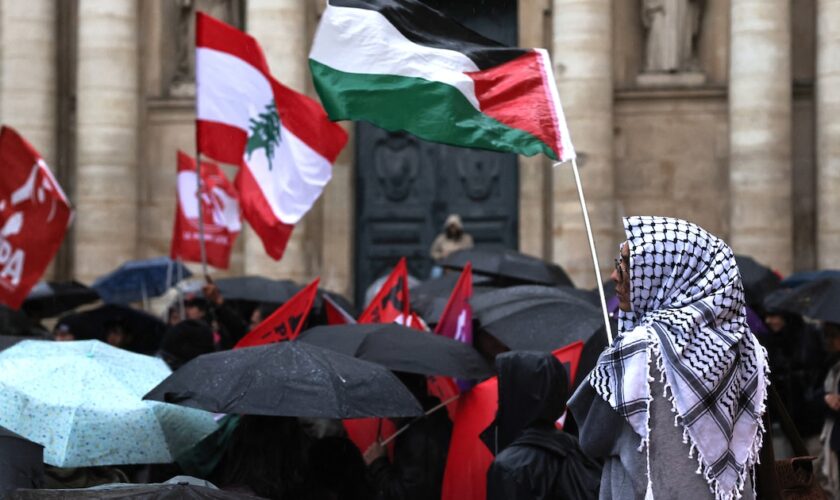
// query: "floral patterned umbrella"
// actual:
[[83, 402]]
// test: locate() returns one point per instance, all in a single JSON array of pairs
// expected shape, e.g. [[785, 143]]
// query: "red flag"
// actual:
[[456, 320], [391, 302], [285, 323], [469, 459], [220, 205], [34, 216], [417, 323], [336, 315]]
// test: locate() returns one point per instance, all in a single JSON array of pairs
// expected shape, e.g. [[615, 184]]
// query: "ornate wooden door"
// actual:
[[406, 187]]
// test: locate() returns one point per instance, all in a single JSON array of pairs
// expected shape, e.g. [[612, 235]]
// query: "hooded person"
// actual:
[[674, 406], [535, 460], [452, 239]]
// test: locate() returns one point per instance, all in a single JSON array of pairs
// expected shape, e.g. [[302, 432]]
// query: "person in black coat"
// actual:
[[419, 453], [535, 460]]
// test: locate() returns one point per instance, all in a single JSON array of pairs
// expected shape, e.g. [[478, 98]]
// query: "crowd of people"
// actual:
[[674, 408]]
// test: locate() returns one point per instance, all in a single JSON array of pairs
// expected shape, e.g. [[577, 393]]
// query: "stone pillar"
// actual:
[[27, 66], [280, 28], [108, 101], [760, 106], [582, 57], [828, 133]]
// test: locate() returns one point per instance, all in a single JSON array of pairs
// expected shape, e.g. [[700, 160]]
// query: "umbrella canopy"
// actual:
[[7, 341], [139, 280], [513, 267], [51, 298], [817, 300], [528, 293], [429, 298], [82, 401], [292, 379], [21, 462], [759, 280], [154, 491], [804, 277], [146, 331], [541, 324], [400, 348]]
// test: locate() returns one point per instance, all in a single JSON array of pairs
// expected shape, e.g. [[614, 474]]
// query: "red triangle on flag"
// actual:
[[336, 315], [286, 322], [456, 320], [391, 302]]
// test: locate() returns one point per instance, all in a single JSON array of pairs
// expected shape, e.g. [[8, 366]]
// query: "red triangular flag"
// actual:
[[220, 205], [456, 320], [391, 302], [336, 315], [469, 459], [34, 216], [285, 323], [417, 323]]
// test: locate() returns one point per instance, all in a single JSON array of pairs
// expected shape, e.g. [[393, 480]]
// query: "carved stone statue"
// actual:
[[396, 163], [672, 27]]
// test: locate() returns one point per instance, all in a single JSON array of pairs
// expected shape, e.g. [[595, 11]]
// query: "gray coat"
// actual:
[[604, 434]]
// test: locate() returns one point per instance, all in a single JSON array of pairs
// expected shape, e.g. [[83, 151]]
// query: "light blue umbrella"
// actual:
[[83, 402]]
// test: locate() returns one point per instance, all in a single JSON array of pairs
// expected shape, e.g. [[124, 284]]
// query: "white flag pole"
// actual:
[[592, 251]]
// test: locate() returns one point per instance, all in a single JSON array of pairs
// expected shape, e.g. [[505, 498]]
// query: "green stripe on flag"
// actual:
[[430, 110]]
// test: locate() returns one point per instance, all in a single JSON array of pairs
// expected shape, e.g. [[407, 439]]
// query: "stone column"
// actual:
[[280, 28], [828, 133], [27, 66], [582, 57], [760, 104], [107, 136]]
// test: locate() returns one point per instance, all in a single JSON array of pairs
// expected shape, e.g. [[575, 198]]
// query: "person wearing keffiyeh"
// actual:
[[674, 405]]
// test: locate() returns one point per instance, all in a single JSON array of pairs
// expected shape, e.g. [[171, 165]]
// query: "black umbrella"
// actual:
[[400, 348], [145, 330], [528, 293], [7, 341], [292, 379], [429, 298], [818, 300], [51, 298], [758, 280], [154, 491], [511, 266], [21, 462], [542, 326]]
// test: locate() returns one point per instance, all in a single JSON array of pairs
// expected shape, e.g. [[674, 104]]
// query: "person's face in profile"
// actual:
[[621, 277]]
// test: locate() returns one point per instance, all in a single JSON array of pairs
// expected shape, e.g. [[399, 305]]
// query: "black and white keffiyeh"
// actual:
[[689, 315]]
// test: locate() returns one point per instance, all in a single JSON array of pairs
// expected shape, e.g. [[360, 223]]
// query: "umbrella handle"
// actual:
[[406, 426]]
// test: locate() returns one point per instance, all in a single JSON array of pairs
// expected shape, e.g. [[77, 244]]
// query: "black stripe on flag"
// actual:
[[424, 25]]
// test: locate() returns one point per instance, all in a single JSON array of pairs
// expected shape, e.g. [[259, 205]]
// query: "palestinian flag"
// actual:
[[404, 66]]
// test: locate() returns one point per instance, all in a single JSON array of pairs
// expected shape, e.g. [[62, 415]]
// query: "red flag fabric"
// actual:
[[456, 320], [282, 139], [336, 315], [417, 323], [465, 477], [34, 216], [391, 302], [365, 431], [285, 323], [220, 205]]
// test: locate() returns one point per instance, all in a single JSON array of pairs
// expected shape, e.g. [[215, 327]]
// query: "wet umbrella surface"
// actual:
[[759, 280], [160, 491], [51, 298], [140, 280], [82, 401], [518, 268], [818, 300], [293, 379], [402, 349]]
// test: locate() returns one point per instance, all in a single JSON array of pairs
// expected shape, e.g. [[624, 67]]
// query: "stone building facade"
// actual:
[[735, 129]]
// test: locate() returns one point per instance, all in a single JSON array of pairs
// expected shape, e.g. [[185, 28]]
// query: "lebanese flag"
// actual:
[[283, 140], [402, 65], [391, 302], [336, 315], [34, 216], [286, 322], [465, 476], [456, 320], [220, 205]]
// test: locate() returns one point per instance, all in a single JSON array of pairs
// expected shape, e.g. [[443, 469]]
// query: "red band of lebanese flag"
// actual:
[[283, 140]]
